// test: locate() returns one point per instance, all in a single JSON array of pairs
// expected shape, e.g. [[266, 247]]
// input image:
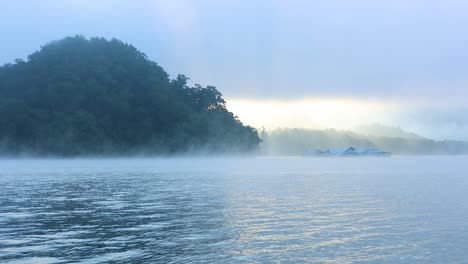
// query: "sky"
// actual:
[[295, 63]]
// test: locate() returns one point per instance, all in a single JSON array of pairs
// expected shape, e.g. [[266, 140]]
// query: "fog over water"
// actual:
[[234, 210], [274, 78]]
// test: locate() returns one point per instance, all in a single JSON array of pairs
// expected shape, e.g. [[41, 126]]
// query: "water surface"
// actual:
[[231, 210]]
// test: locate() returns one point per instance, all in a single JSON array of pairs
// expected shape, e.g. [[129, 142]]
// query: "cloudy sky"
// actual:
[[294, 63]]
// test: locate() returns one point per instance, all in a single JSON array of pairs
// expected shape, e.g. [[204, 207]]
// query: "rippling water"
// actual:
[[252, 210]]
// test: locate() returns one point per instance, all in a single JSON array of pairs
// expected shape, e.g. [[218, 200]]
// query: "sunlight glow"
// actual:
[[314, 113]]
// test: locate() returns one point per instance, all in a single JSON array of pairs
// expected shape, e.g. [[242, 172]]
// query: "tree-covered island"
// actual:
[[79, 96]]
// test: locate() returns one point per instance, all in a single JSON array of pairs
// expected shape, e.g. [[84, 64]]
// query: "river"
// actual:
[[234, 210]]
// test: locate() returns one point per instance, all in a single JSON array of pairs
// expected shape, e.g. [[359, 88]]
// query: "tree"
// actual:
[[96, 96]]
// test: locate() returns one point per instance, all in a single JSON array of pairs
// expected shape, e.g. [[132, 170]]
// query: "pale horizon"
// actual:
[[342, 114]]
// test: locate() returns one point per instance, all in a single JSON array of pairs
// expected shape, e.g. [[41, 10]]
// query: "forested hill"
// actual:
[[79, 96]]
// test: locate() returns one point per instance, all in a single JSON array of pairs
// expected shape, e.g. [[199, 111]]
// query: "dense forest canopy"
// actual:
[[96, 96]]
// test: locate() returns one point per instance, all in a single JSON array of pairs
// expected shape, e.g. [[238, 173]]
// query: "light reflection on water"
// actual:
[[408, 210]]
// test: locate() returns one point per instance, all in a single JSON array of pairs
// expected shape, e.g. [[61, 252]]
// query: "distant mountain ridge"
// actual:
[[298, 141], [379, 130]]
